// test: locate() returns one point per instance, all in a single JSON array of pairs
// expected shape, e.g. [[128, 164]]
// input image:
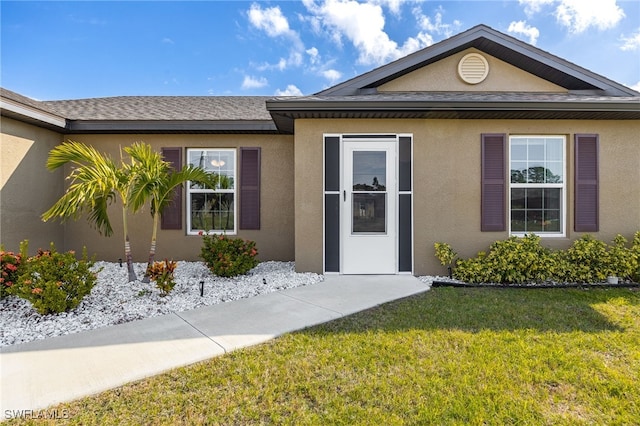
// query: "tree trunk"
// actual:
[[152, 250], [127, 248]]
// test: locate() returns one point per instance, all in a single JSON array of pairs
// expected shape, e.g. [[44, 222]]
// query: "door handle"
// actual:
[[344, 195]]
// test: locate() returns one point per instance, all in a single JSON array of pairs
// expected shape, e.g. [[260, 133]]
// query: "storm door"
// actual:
[[369, 207]]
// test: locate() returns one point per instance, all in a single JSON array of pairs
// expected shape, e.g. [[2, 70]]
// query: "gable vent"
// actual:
[[473, 68]]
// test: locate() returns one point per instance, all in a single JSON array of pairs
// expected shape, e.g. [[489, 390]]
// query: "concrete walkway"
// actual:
[[38, 374]]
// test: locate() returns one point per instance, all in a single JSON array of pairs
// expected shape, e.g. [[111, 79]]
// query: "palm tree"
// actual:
[[155, 182], [96, 181]]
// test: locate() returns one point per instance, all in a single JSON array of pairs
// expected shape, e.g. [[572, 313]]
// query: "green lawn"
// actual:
[[449, 356]]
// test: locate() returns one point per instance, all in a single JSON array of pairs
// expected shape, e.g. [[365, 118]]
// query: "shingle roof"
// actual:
[[145, 114], [8, 94], [29, 110], [175, 108]]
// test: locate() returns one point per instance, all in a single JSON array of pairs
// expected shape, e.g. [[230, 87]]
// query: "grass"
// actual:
[[449, 356]]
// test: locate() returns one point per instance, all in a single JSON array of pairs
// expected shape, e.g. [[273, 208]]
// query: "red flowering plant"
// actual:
[[228, 257], [162, 274], [9, 271], [54, 282]]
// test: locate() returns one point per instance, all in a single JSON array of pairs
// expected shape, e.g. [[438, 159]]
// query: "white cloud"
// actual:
[[416, 43], [270, 20], [313, 54], [531, 7], [363, 25], [360, 23], [636, 86], [435, 25], [167, 40], [393, 5], [579, 15], [254, 83], [632, 42], [291, 90], [521, 27], [332, 75], [275, 24]]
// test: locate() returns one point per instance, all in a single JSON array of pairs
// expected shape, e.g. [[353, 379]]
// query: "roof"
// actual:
[[458, 105], [589, 95], [194, 108], [153, 114], [29, 110], [502, 46]]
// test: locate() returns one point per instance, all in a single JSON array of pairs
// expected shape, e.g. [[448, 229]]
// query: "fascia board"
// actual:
[[157, 126], [32, 113], [327, 106]]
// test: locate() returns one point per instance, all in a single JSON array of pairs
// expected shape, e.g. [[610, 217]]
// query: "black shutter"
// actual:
[[332, 199], [493, 182], [249, 188], [586, 183], [171, 216]]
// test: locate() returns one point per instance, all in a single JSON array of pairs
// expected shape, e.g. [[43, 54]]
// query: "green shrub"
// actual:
[[586, 261], [228, 257], [473, 270], [623, 262], [162, 274], [9, 270], [513, 261], [55, 282], [444, 253], [524, 260], [635, 250]]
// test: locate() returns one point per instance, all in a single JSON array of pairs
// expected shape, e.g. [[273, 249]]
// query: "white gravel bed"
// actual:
[[114, 300]]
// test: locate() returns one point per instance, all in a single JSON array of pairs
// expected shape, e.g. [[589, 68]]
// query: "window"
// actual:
[[537, 185], [212, 210]]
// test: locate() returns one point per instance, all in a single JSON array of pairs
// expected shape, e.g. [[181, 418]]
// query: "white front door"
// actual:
[[369, 207]]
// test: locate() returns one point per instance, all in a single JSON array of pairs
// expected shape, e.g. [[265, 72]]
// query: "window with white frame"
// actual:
[[537, 185], [212, 210]]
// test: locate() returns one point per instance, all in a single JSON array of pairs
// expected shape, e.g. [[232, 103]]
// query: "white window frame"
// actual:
[[562, 186], [233, 191]]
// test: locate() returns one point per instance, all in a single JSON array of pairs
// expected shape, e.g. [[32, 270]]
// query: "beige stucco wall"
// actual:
[[274, 240], [443, 76], [27, 188], [447, 181]]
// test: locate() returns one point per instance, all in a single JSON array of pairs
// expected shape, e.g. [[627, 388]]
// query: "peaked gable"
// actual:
[[533, 85], [446, 75], [501, 46]]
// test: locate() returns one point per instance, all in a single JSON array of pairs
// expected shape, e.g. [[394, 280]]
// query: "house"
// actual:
[[468, 141]]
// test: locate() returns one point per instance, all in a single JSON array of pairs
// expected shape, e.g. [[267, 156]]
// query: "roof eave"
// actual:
[[364, 105], [21, 112], [172, 126], [284, 113]]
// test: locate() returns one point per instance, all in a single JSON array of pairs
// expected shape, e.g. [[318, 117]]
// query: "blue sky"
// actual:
[[80, 49]]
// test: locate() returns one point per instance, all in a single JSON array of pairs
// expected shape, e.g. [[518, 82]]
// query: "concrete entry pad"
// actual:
[[349, 294], [258, 319]]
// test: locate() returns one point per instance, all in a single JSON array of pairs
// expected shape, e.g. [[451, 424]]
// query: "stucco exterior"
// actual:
[[274, 240], [443, 75], [27, 188], [446, 164]]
